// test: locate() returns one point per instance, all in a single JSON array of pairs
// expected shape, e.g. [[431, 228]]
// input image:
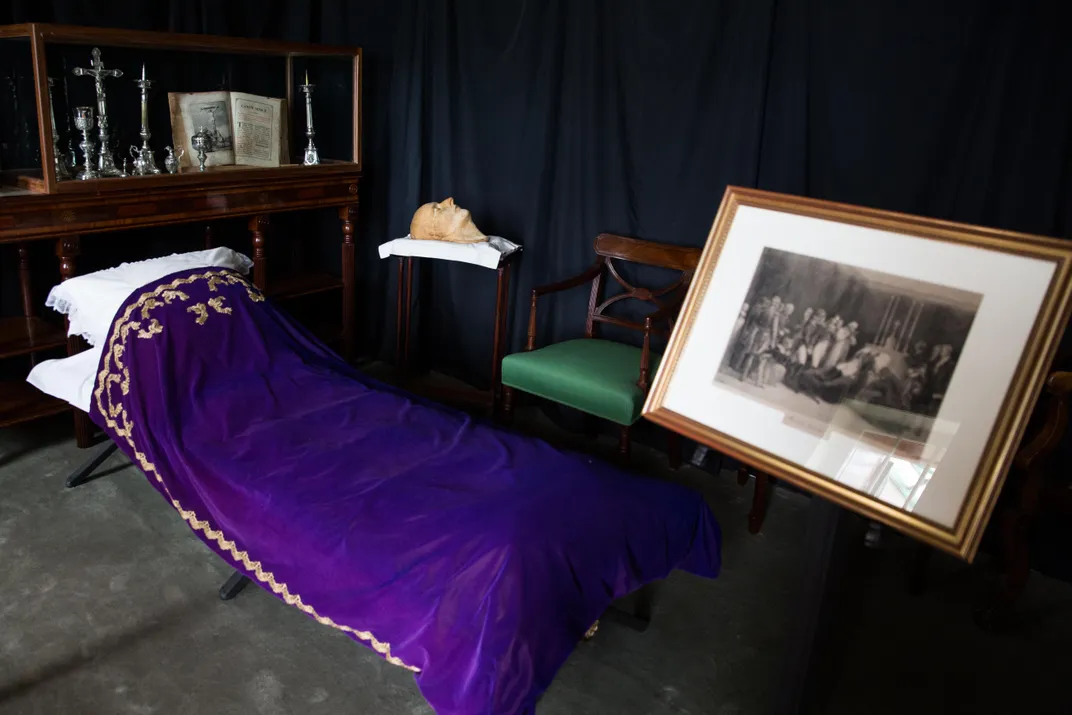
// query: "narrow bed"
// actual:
[[473, 556]]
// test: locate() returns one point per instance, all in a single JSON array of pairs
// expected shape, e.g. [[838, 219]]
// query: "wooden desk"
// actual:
[[138, 202]]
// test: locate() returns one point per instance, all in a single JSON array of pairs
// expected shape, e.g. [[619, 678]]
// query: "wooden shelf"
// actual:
[[293, 286], [21, 402], [21, 336], [33, 181]]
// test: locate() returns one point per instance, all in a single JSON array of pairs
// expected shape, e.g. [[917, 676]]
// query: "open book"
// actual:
[[246, 129]]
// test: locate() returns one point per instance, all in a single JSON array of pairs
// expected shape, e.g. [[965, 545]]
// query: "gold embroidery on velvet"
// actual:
[[170, 295], [153, 329], [147, 308], [217, 305], [201, 311], [113, 372]]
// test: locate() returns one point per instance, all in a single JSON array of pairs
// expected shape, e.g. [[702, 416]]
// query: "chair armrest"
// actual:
[[589, 275]]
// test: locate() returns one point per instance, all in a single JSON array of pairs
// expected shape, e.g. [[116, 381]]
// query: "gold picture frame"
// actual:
[[748, 417]]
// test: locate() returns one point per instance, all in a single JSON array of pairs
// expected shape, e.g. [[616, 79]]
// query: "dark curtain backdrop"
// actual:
[[554, 120]]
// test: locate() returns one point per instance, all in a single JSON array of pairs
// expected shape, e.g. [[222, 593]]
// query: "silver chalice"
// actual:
[[83, 121]]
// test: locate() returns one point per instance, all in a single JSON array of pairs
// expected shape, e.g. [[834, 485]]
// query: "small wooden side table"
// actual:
[[487, 399]]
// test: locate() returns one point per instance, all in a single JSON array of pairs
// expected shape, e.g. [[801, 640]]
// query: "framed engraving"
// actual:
[[886, 362]]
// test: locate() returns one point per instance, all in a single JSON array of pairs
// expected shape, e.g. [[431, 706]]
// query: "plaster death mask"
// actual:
[[445, 221]]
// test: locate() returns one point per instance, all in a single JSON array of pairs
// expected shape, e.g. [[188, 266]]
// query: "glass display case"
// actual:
[[144, 96], [195, 129]]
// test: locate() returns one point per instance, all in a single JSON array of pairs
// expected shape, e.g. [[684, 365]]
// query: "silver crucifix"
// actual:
[[106, 164]]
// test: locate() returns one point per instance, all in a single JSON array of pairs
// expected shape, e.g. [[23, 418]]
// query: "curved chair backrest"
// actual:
[[609, 247]]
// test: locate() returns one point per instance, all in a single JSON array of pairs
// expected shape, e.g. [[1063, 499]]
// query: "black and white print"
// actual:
[[814, 337], [214, 118]]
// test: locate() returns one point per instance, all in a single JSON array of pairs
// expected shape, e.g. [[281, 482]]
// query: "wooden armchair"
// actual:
[[599, 377]]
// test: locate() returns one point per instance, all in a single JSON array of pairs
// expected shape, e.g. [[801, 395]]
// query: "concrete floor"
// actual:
[[108, 606]]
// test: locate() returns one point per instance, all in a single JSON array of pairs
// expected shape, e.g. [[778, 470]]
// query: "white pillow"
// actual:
[[70, 379], [92, 300]]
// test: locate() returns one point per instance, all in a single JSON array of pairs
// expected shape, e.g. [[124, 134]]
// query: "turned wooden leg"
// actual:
[[673, 448], [409, 313], [67, 249], [502, 286], [257, 226], [624, 445], [400, 315], [507, 404], [26, 290], [208, 236], [742, 475], [348, 215], [24, 281], [760, 499]]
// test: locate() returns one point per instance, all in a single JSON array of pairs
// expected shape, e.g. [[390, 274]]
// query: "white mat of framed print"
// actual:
[[883, 361]]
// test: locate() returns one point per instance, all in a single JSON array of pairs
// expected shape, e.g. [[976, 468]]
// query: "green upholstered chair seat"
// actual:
[[595, 376]]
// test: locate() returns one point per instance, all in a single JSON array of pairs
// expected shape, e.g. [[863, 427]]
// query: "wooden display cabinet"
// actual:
[[35, 204]]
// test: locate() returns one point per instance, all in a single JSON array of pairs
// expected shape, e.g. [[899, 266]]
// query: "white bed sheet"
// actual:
[[69, 379]]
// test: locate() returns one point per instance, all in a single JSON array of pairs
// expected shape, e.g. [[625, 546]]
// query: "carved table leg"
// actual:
[[348, 215], [409, 314], [25, 289], [400, 317], [501, 301], [257, 226], [67, 249]]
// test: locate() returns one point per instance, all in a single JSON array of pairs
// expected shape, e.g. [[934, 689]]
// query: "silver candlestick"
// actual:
[[311, 155], [105, 163], [83, 121], [144, 163], [57, 158]]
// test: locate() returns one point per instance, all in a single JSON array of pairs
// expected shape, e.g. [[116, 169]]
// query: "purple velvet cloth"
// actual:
[[474, 556]]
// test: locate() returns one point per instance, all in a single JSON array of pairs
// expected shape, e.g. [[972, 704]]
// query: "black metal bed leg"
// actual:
[[639, 617], [85, 473], [234, 586]]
